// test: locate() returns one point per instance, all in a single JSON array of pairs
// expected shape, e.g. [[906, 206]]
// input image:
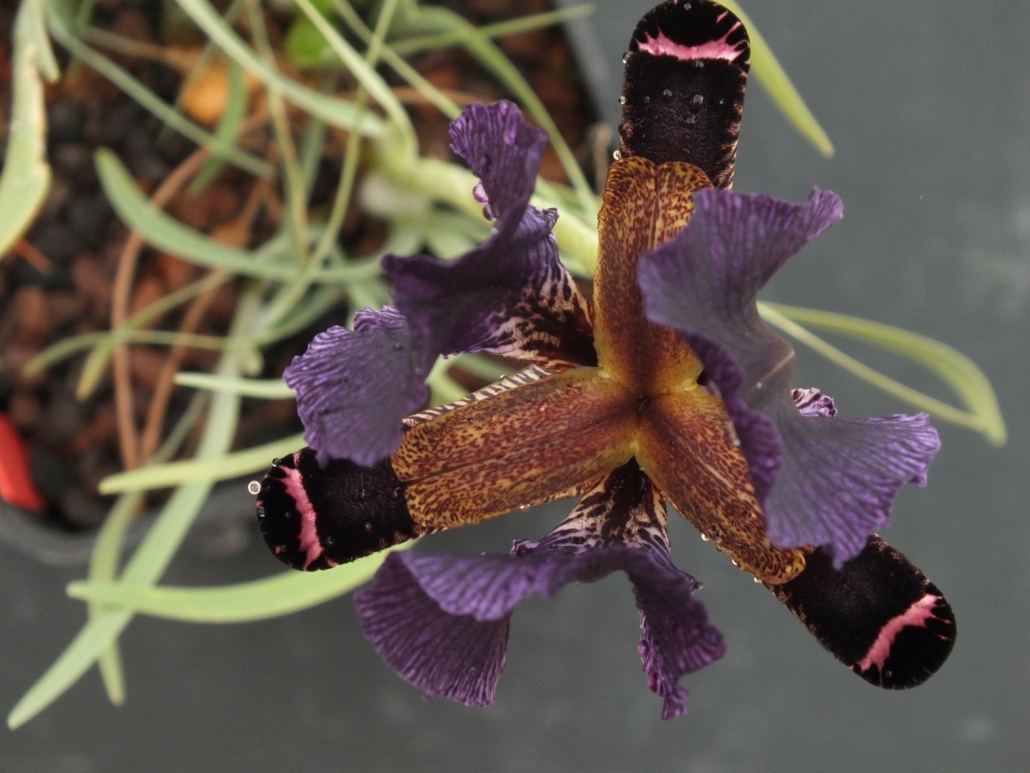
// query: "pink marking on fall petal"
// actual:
[[712, 49], [915, 616], [308, 534]]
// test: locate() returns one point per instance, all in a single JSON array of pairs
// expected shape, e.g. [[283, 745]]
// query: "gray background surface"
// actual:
[[928, 106]]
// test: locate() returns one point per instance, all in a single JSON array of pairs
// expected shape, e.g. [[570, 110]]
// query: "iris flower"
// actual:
[[666, 387]]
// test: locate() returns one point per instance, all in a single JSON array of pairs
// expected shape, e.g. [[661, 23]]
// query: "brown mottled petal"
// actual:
[[644, 205], [688, 448], [519, 447]]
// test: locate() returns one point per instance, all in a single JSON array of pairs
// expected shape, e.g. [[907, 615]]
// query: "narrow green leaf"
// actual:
[[166, 233], [26, 175], [155, 552], [68, 346], [366, 76], [95, 637], [768, 71], [150, 101], [112, 674], [432, 94], [486, 52], [266, 389], [103, 566], [499, 29], [95, 367], [281, 594], [334, 111], [256, 459], [960, 373]]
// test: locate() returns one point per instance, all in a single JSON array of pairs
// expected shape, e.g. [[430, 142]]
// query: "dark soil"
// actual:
[[59, 281]]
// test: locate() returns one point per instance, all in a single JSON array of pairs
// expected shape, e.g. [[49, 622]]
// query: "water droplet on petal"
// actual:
[[705, 537], [254, 487], [756, 579], [697, 100], [617, 155], [699, 64], [622, 100], [667, 93], [523, 508]]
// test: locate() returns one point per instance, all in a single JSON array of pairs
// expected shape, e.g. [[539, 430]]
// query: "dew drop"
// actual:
[[397, 492], [625, 57], [622, 100], [699, 64], [276, 462], [667, 93], [617, 155], [254, 487], [368, 526], [756, 579], [523, 508], [705, 537], [697, 100]]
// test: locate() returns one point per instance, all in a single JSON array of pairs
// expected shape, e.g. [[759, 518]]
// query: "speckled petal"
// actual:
[[354, 387], [821, 481], [510, 295], [441, 621]]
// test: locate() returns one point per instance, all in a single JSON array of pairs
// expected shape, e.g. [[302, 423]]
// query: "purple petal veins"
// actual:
[[822, 481], [422, 609], [354, 387], [512, 286]]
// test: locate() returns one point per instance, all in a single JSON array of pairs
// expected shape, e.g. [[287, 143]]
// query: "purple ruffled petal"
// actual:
[[510, 295], [441, 621], [503, 151], [354, 387], [446, 655], [821, 481]]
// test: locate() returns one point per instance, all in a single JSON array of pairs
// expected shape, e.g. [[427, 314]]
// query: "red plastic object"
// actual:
[[16, 486]]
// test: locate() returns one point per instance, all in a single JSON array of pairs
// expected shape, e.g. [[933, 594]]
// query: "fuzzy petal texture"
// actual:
[[822, 481], [421, 610], [510, 295], [354, 387]]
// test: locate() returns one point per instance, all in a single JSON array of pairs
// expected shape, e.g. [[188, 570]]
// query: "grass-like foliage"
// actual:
[[301, 271]]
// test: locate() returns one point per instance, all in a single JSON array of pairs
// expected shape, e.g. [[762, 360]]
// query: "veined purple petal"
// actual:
[[510, 295], [503, 151], [441, 621], [447, 656], [354, 387], [822, 481]]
